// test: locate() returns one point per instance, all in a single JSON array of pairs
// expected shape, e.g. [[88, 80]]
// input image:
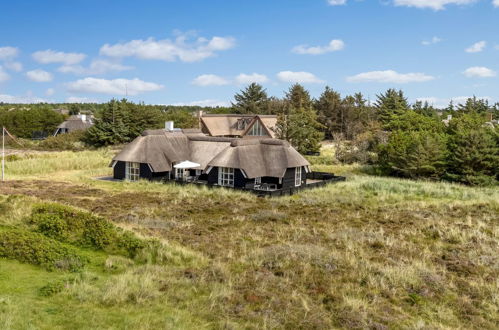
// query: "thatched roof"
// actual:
[[236, 125], [264, 157], [75, 123], [257, 157]]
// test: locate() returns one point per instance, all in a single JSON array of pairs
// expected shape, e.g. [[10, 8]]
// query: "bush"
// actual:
[[83, 229], [36, 249], [51, 288], [70, 141]]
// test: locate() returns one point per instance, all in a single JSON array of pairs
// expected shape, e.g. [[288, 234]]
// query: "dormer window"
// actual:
[[257, 129]]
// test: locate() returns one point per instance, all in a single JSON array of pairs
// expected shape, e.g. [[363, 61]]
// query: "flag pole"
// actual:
[[3, 154]]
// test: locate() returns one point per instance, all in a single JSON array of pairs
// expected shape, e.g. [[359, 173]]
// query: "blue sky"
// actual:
[[202, 52]]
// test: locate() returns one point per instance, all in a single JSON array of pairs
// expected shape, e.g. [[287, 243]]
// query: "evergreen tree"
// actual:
[[473, 151], [301, 129], [251, 100], [425, 109], [391, 104], [330, 112], [473, 104], [414, 154], [298, 97], [121, 122]]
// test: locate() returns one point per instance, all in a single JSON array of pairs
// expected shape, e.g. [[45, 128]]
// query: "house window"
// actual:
[[297, 176], [132, 171], [226, 176], [257, 129], [258, 181], [179, 173]]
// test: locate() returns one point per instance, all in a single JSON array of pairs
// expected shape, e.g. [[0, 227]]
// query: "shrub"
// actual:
[[51, 288], [39, 250], [83, 229], [70, 141]]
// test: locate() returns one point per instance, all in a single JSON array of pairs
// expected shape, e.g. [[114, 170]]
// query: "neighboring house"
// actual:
[[242, 126], [74, 123], [189, 155]]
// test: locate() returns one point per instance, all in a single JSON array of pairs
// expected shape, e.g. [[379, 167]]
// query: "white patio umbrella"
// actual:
[[186, 164]]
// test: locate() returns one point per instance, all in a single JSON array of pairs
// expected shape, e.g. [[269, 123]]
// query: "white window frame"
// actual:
[[226, 176], [132, 171], [258, 180], [297, 176]]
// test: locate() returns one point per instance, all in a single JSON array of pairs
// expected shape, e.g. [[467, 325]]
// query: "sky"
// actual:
[[201, 52]]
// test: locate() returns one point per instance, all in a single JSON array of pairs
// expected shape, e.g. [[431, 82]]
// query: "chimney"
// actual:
[[169, 125], [200, 115], [449, 117]]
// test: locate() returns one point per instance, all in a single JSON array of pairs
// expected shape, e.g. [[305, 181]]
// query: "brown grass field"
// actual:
[[371, 252]]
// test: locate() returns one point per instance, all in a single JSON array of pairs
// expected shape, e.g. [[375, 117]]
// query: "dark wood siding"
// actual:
[[119, 170], [213, 176], [145, 171], [239, 179], [288, 181]]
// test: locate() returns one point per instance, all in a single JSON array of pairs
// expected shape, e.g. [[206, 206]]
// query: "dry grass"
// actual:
[[370, 252]]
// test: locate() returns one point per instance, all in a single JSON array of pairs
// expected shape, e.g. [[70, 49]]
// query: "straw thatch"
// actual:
[[236, 125], [256, 157]]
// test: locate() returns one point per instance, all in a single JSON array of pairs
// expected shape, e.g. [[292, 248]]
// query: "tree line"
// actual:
[[400, 139]]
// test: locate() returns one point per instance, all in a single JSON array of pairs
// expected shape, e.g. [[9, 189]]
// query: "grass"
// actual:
[[371, 252]]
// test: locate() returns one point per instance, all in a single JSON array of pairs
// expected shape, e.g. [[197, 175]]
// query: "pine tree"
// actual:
[[414, 154], [473, 151], [304, 131], [251, 100], [298, 97], [330, 112], [391, 104], [121, 122]]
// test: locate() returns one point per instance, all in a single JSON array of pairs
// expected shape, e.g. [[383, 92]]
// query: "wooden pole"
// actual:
[[3, 154]]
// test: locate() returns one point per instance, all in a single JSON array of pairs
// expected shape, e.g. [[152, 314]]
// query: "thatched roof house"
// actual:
[[234, 125], [222, 161], [74, 123]]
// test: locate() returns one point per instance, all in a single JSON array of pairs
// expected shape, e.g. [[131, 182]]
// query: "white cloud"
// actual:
[[251, 78], [209, 80], [50, 92], [115, 86], [98, 66], [338, 2], [300, 77], [495, 3], [51, 56], [39, 75], [479, 71], [169, 50], [390, 76], [432, 4], [205, 103], [432, 41], [8, 53], [333, 46], [14, 66], [20, 99], [476, 47], [76, 99], [4, 76]]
